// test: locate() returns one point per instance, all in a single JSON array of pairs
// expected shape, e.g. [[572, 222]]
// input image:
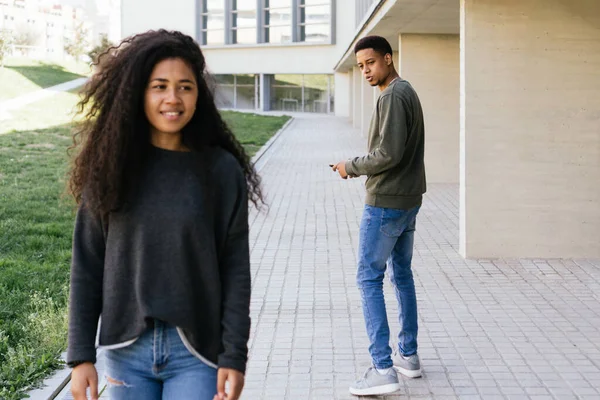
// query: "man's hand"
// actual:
[[236, 384], [84, 376], [341, 169]]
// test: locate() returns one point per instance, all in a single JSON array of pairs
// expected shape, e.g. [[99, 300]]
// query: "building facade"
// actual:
[[41, 27], [510, 91], [511, 95], [265, 54]]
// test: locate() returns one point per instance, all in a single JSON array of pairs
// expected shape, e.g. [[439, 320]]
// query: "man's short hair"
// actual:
[[377, 43]]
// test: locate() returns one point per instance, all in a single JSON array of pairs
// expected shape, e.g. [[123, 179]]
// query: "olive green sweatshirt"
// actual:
[[394, 165]]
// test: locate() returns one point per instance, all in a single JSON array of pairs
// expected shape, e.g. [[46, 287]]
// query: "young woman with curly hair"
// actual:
[[160, 276]]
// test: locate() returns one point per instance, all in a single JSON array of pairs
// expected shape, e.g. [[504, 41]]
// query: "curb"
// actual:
[[270, 143], [55, 388]]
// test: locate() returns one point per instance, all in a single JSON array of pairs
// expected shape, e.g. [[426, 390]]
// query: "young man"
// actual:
[[395, 185]]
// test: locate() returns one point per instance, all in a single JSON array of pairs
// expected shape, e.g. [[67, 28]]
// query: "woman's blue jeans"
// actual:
[[158, 366]]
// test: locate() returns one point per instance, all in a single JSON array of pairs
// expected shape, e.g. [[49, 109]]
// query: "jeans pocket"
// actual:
[[393, 222]]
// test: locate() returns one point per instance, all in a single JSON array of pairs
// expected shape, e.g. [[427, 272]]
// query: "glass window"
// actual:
[[278, 3], [315, 33], [245, 79], [315, 93], [315, 14], [236, 91], [314, 21], [286, 93], [213, 22], [224, 93], [243, 21], [278, 21], [309, 22], [307, 93], [223, 79], [245, 92]]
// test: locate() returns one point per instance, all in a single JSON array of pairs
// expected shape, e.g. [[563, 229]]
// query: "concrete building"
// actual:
[[104, 17], [510, 90], [42, 26], [266, 54]]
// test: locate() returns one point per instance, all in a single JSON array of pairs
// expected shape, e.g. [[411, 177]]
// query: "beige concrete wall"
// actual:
[[155, 14], [343, 93], [363, 99], [431, 64], [297, 58], [270, 59], [396, 59], [357, 99], [368, 102], [531, 128]]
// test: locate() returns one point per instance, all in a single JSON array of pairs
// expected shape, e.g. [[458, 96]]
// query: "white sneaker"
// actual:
[[374, 383], [408, 366]]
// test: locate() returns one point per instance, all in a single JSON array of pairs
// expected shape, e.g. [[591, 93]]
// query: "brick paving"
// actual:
[[489, 329]]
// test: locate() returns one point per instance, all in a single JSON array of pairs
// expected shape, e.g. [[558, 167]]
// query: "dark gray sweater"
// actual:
[[178, 252]]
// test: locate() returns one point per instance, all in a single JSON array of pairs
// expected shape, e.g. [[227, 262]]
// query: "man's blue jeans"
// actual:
[[387, 237], [159, 366]]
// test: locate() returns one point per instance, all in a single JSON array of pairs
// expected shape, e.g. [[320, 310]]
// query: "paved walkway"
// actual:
[[501, 329], [504, 329], [28, 98]]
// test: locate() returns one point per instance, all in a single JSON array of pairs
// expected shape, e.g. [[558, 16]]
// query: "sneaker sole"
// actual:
[[409, 373], [374, 391]]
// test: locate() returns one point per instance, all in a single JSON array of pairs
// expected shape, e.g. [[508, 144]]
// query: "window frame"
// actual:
[[202, 31], [233, 28], [302, 24], [297, 26]]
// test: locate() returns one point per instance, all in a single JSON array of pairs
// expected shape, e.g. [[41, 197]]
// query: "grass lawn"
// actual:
[[253, 130], [36, 224], [35, 237], [21, 76]]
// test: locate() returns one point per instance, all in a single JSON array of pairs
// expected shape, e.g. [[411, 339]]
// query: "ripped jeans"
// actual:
[[158, 366]]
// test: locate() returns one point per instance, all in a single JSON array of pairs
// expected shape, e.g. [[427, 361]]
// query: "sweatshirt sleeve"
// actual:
[[393, 132], [87, 270], [236, 285]]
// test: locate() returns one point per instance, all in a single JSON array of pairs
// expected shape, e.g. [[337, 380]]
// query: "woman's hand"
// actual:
[[236, 384], [84, 376]]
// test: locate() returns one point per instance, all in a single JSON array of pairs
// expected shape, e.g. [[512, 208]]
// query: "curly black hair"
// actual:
[[115, 132]]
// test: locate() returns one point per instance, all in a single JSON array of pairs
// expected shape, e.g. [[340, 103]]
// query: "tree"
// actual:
[[26, 35], [104, 45], [6, 40], [77, 44]]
